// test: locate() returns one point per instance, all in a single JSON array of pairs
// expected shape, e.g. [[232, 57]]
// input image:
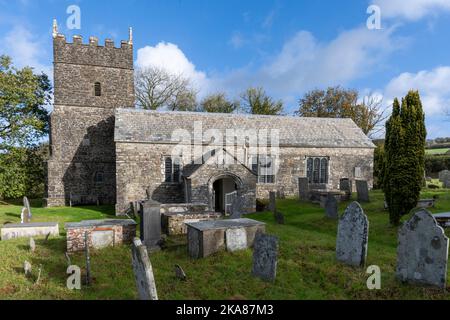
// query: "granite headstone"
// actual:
[[422, 252], [352, 236], [143, 271], [265, 256]]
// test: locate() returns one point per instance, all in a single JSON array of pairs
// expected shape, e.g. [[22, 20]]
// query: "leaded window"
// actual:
[[317, 169]]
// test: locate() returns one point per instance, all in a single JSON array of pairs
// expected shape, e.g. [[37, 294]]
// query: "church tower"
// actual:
[[90, 82]]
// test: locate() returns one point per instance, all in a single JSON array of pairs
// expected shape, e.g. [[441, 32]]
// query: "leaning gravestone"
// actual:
[[265, 255], [422, 251], [179, 273], [151, 225], [352, 236], [236, 239], [303, 189], [331, 207], [143, 271], [272, 201], [363, 191], [237, 207], [26, 204]]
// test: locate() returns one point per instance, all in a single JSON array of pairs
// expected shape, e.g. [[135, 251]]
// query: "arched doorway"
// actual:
[[220, 187]]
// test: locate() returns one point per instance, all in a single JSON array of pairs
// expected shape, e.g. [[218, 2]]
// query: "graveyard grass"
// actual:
[[307, 267]]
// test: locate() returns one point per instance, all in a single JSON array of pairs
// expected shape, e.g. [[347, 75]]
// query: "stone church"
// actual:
[[106, 151]]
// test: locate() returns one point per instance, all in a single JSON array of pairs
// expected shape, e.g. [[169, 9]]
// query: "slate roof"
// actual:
[[144, 126]]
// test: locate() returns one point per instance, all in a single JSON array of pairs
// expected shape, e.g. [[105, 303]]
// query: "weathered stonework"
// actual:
[[175, 223], [103, 151], [82, 165], [124, 231]]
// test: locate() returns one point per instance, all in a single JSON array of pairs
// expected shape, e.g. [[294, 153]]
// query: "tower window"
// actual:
[[99, 178], [98, 89]]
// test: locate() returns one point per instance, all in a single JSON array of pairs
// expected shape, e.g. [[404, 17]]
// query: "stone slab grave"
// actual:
[[423, 203], [208, 237], [362, 189], [303, 189], [265, 255], [319, 196], [151, 230], [352, 236], [331, 208], [28, 230], [443, 219], [101, 233], [422, 251], [345, 185], [174, 216], [143, 271]]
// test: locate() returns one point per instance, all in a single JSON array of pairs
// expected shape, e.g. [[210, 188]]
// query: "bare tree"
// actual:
[[156, 88], [337, 102]]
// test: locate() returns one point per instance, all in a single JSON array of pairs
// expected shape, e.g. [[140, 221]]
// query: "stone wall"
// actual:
[[140, 166], [175, 223], [82, 163], [124, 232]]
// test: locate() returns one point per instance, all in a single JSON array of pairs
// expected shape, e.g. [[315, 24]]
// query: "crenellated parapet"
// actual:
[[91, 53]]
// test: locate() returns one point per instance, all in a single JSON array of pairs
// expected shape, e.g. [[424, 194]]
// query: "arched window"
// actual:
[[317, 169], [309, 169], [98, 89], [324, 170]]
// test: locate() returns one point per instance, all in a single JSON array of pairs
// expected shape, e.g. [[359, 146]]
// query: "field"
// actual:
[[434, 152], [307, 268]]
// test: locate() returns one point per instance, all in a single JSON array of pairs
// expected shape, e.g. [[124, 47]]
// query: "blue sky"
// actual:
[[288, 47]]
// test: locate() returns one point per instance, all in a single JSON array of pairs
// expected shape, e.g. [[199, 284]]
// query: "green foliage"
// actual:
[[256, 101], [435, 164], [23, 95], [404, 162], [378, 168], [336, 102], [307, 266], [218, 103], [22, 172]]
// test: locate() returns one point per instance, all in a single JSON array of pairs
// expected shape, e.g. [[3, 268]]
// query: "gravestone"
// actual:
[[151, 225], [237, 207], [88, 258], [24, 216], [422, 251], [363, 191], [143, 271], [26, 204], [303, 189], [179, 273], [279, 217], [236, 239], [27, 268], [272, 201], [331, 207], [352, 236], [345, 185], [32, 245], [443, 174], [265, 255]]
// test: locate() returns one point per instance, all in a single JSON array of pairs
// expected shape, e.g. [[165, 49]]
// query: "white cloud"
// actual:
[[304, 62], [25, 49], [432, 85], [169, 57], [411, 9]]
